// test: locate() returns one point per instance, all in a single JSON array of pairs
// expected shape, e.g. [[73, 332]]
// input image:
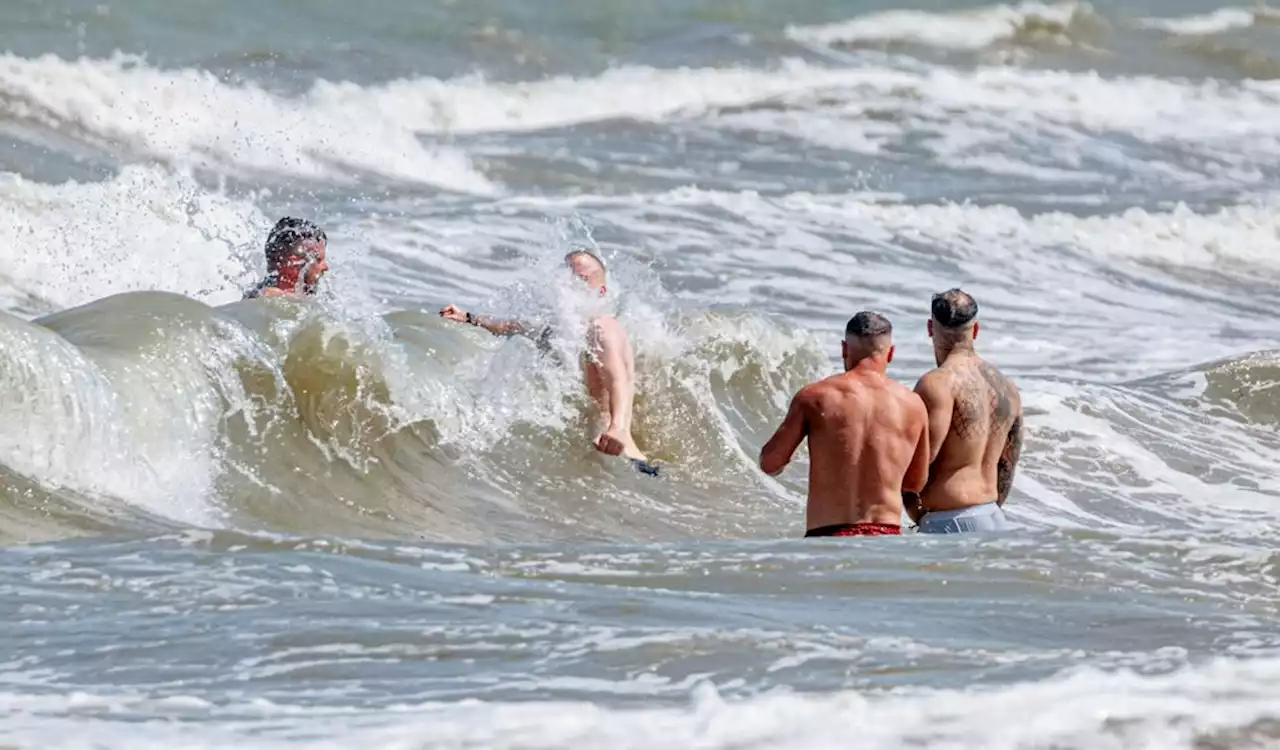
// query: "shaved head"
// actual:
[[868, 334], [954, 309], [953, 323], [868, 326]]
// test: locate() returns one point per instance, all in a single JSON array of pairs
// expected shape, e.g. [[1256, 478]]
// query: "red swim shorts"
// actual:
[[856, 529]]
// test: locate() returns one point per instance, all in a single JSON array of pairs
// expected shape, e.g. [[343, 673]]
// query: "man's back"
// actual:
[[983, 408], [864, 432]]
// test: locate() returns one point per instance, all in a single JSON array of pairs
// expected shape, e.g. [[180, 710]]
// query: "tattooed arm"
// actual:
[[1008, 461]]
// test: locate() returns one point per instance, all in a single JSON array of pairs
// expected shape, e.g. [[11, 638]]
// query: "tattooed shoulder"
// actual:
[[969, 415], [1002, 392]]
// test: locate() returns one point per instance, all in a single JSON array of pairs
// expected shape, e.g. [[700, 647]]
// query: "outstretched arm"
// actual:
[[777, 453], [496, 326], [1008, 462]]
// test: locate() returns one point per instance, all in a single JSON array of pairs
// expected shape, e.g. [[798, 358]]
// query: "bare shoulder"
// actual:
[[910, 399], [606, 322], [989, 369], [607, 331], [933, 383], [812, 393], [997, 379], [1008, 402], [607, 325]]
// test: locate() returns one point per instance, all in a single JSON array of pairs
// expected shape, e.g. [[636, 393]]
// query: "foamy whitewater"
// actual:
[[348, 523]]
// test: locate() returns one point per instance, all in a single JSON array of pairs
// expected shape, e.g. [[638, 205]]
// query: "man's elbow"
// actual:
[[771, 464]]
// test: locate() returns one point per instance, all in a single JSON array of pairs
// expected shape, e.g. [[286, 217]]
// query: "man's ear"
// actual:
[[929, 326], [975, 329], [892, 349]]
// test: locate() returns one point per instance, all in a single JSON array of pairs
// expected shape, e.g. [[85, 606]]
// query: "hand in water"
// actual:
[[454, 313]]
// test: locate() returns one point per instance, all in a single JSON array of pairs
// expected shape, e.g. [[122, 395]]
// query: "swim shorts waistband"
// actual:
[[856, 529]]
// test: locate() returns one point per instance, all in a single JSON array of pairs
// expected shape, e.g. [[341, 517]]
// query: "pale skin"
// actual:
[[868, 441], [975, 426], [608, 370]]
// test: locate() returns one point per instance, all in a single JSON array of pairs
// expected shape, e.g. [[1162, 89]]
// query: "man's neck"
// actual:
[[868, 365], [959, 350]]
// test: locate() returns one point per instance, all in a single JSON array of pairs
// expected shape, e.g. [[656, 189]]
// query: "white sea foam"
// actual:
[[336, 128], [961, 30], [1219, 21], [1241, 234], [1224, 703], [147, 228], [192, 117]]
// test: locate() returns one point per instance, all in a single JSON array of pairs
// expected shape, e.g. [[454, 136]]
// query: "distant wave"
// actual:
[[340, 131], [959, 30], [1243, 234], [1217, 22]]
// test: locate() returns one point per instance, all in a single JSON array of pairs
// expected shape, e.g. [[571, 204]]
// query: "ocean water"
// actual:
[[348, 523]]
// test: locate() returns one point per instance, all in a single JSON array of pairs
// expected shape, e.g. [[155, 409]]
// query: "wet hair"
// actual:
[[868, 325], [579, 252], [286, 235], [954, 309]]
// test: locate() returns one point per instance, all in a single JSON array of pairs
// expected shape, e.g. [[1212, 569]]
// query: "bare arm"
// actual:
[[918, 472], [496, 326], [612, 350], [777, 453], [939, 402], [1008, 462], [499, 327]]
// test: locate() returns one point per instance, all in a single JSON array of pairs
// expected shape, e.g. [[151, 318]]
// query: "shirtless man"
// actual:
[[868, 439], [975, 428], [295, 260], [609, 370]]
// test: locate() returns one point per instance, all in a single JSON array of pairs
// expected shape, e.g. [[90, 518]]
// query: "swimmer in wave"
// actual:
[[608, 368], [295, 253]]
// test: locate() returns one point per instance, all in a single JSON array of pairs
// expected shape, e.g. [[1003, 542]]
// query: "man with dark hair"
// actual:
[[868, 439], [295, 260], [975, 427], [609, 368]]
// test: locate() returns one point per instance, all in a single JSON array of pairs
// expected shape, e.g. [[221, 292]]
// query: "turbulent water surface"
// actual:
[[349, 523]]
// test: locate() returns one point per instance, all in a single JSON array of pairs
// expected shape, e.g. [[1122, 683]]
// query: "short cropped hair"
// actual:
[[581, 252], [954, 309], [868, 325], [286, 235]]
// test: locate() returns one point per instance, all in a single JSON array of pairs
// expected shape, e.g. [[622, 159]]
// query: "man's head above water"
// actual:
[[953, 322], [587, 266], [867, 336], [295, 253]]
